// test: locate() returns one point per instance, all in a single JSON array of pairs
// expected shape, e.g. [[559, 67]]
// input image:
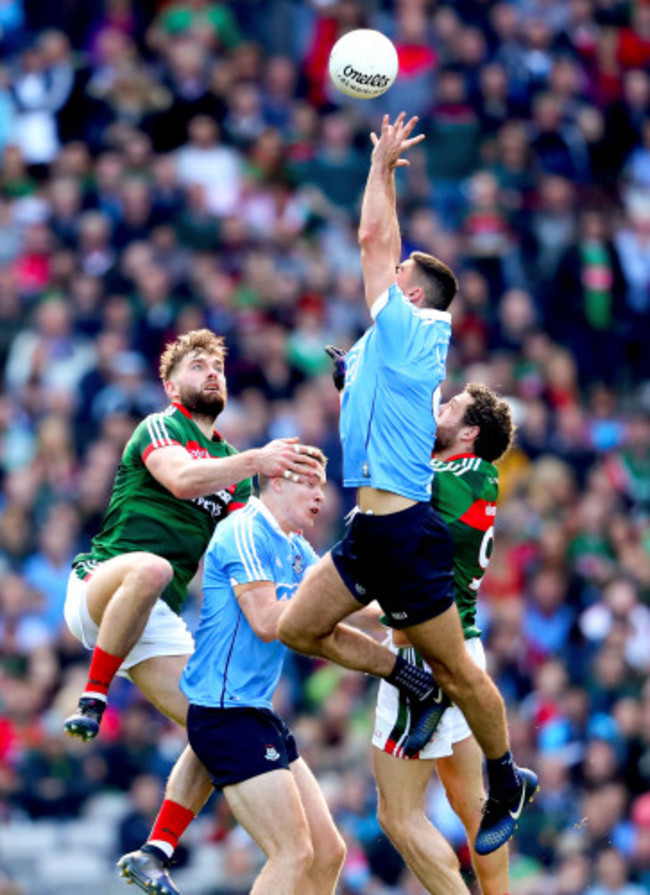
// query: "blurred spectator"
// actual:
[[588, 309], [49, 353], [452, 144], [612, 877], [631, 243], [217, 168], [337, 171], [212, 23], [38, 92]]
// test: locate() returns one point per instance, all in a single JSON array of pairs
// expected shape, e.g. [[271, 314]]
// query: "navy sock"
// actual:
[[410, 679], [502, 776]]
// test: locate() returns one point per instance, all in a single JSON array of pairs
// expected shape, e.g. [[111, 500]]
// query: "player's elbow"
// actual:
[[368, 236], [181, 490], [182, 485]]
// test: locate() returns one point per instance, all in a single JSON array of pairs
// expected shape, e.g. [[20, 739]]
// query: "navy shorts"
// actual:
[[239, 743], [403, 560]]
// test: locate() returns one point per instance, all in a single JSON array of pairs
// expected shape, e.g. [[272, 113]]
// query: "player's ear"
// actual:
[[170, 390]]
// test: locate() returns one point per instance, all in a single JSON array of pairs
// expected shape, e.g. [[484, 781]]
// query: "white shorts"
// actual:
[[392, 718], [165, 633]]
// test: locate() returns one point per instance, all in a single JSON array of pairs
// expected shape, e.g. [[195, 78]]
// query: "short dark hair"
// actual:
[[493, 417], [436, 279]]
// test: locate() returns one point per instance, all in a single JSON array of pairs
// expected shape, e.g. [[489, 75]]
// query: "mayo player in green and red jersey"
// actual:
[[176, 480], [474, 429]]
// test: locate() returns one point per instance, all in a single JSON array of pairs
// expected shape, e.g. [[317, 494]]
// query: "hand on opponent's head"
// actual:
[[284, 457]]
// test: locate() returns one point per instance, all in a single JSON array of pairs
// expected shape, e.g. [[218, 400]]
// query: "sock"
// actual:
[[502, 776], [157, 851], [410, 679], [172, 821], [103, 668]]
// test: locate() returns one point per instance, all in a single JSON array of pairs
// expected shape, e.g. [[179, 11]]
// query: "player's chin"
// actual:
[[212, 403]]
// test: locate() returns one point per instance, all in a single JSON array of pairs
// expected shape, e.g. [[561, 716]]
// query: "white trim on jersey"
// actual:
[[459, 467], [429, 315], [245, 543], [158, 431]]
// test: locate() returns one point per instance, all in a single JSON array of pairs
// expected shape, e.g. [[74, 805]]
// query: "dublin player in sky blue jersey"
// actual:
[[253, 566], [397, 550]]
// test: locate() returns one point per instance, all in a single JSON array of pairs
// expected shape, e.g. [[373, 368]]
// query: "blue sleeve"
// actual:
[[244, 555]]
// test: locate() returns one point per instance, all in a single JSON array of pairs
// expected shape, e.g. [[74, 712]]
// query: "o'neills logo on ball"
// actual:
[[366, 80]]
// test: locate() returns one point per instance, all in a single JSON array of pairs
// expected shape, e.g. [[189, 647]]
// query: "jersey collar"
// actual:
[[187, 414], [460, 457], [261, 507]]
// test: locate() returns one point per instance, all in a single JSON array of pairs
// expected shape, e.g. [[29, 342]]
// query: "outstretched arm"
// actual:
[[188, 478], [379, 234]]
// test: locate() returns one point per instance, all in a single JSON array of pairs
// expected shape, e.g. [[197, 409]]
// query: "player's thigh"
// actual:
[[461, 774], [320, 602], [109, 575], [158, 679], [324, 835], [401, 783], [269, 808], [441, 642]]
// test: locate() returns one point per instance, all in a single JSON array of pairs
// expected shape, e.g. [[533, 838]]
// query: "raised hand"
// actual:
[[394, 140]]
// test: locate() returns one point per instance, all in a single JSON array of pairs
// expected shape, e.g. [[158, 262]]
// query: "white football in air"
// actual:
[[363, 63]]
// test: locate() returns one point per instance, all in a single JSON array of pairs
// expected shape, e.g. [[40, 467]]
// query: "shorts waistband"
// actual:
[[390, 520]]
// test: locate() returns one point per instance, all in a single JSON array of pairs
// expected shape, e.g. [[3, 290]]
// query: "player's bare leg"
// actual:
[[269, 808], [441, 643], [120, 594], [188, 787], [329, 847], [310, 624], [401, 786], [462, 777]]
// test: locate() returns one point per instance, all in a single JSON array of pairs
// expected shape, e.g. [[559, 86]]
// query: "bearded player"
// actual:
[[177, 479]]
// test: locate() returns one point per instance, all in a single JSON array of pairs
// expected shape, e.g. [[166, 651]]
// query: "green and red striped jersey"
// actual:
[[143, 515], [465, 491]]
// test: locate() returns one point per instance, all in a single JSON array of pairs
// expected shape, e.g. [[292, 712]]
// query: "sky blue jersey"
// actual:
[[391, 397], [231, 666]]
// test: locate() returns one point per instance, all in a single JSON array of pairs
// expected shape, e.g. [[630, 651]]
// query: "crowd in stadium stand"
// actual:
[[167, 166]]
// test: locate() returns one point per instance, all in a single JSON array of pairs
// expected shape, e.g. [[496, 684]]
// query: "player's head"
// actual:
[[476, 421], [426, 281], [295, 504], [192, 372]]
